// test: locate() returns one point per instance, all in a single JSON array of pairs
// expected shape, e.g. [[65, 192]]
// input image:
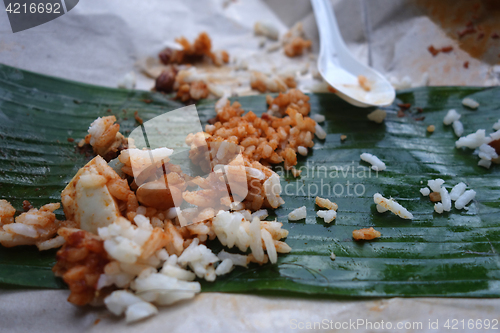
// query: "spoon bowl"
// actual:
[[341, 69]]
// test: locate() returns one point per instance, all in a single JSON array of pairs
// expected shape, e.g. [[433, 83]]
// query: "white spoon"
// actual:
[[339, 67]]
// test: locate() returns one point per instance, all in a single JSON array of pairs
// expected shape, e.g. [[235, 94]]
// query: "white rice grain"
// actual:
[[458, 128], [236, 259], [425, 191], [327, 215], [302, 150], [272, 188], [496, 126], [473, 140], [255, 173], [270, 248], [118, 301], [438, 208], [445, 199], [256, 240], [320, 132], [224, 267], [261, 214], [51, 243], [451, 116], [494, 136], [319, 118], [464, 199], [376, 163], [177, 272], [377, 116], [21, 229], [393, 206], [457, 191], [484, 163], [487, 152], [469, 102], [139, 311], [435, 184], [128, 81], [298, 214]]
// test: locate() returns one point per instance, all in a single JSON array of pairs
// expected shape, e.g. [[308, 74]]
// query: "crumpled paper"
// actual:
[[99, 42]]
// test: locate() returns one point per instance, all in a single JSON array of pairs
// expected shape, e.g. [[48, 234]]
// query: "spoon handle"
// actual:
[[330, 38]]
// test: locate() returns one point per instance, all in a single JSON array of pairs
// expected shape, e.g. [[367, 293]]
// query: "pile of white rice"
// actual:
[[458, 194], [480, 142], [158, 278]]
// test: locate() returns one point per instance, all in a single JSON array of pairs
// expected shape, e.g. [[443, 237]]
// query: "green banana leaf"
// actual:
[[453, 254]]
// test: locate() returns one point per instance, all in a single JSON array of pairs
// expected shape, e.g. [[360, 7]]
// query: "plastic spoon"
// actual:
[[341, 69]]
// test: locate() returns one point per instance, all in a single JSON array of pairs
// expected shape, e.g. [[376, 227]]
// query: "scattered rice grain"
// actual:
[[469, 102], [298, 214], [376, 163], [393, 206], [464, 199], [377, 116]]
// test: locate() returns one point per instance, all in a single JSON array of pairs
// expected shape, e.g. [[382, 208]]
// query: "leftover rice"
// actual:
[[365, 234]]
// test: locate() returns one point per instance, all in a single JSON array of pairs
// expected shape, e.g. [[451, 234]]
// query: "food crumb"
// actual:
[[404, 106], [296, 47], [343, 137], [97, 321], [333, 256], [469, 29], [137, 118], [431, 128], [466, 64], [296, 173], [363, 82], [71, 140], [27, 205], [365, 234], [447, 49], [433, 50], [435, 196], [444, 49]]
